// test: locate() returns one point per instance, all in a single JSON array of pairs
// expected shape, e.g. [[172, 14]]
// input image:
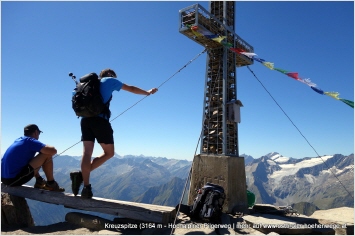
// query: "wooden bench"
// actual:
[[131, 210]]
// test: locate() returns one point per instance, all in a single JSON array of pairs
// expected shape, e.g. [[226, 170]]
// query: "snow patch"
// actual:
[[282, 159], [310, 178], [275, 156], [271, 162], [291, 169], [278, 158], [336, 171]]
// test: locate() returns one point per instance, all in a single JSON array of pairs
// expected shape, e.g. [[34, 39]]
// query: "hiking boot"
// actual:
[[76, 180], [40, 184], [86, 192], [53, 187]]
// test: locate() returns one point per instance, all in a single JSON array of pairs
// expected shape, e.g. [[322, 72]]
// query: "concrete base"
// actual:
[[226, 171]]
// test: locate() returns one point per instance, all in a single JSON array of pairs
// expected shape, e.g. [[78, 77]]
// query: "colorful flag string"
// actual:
[[294, 75]]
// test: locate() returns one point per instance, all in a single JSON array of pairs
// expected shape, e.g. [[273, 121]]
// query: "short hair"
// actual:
[[107, 73]]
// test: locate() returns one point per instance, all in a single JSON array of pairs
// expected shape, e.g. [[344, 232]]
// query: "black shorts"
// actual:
[[96, 128], [25, 175]]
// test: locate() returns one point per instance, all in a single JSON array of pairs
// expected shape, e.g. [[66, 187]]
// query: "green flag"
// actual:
[[281, 70], [350, 103]]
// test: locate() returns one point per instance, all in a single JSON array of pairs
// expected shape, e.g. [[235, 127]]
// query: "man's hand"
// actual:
[[152, 91]]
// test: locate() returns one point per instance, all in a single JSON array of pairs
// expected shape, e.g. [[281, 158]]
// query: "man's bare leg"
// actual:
[[109, 151]]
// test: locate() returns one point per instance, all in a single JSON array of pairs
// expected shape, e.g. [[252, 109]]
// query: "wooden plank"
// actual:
[[131, 210]]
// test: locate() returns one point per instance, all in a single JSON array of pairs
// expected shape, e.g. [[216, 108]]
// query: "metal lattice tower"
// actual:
[[220, 129]]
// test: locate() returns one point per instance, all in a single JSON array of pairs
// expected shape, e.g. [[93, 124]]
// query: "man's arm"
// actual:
[[49, 150], [136, 90]]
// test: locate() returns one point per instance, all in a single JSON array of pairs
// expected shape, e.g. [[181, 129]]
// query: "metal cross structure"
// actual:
[[221, 107]]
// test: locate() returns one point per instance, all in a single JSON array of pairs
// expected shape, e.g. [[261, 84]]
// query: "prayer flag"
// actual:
[[258, 59], [219, 39], [293, 75], [281, 70], [334, 95], [269, 65], [228, 45], [237, 50], [201, 32], [248, 54], [211, 36], [196, 33], [350, 103], [308, 82], [317, 90]]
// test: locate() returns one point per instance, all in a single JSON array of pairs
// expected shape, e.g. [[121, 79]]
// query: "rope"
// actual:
[[161, 83], [300, 132], [185, 187], [118, 115]]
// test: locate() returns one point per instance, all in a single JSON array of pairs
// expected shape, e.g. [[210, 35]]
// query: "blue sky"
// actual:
[[41, 42]]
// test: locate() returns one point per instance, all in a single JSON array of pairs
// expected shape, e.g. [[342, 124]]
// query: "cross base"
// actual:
[[226, 171]]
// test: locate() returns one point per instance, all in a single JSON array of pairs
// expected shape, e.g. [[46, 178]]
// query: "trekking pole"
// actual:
[[73, 77]]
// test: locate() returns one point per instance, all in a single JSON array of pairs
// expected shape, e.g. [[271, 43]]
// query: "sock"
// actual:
[[50, 182], [87, 186]]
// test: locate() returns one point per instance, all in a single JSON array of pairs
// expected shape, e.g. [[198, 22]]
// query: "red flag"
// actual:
[[237, 50], [293, 75]]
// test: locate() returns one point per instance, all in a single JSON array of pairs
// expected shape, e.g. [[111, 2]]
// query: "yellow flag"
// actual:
[[269, 65], [219, 39], [334, 95], [196, 33]]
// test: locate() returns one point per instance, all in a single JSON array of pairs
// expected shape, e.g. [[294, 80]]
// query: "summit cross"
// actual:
[[219, 161], [214, 30]]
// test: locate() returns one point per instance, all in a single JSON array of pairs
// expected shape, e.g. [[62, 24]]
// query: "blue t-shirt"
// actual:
[[18, 155], [107, 86]]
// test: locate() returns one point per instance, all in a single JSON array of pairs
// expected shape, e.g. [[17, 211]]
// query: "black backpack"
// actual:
[[87, 100], [208, 203]]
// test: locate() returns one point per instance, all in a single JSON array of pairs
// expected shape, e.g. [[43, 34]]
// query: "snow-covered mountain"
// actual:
[[326, 181], [247, 159]]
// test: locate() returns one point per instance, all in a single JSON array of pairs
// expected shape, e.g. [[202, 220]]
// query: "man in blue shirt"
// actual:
[[19, 163], [99, 128]]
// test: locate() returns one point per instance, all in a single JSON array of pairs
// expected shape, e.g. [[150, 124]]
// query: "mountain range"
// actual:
[[274, 179], [326, 181], [127, 178]]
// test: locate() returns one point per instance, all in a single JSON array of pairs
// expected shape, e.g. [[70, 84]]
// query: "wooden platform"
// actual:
[[131, 210]]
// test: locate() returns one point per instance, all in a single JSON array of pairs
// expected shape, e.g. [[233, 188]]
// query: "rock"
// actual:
[[305, 208], [268, 209], [15, 212], [341, 218], [342, 215]]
